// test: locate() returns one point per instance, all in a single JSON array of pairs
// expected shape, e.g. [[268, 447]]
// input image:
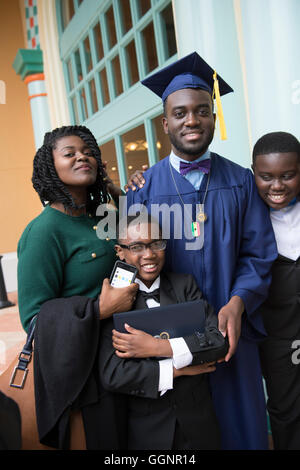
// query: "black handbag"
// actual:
[[24, 357]]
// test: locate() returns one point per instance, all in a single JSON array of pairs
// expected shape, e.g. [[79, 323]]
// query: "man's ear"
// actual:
[[120, 252], [165, 125]]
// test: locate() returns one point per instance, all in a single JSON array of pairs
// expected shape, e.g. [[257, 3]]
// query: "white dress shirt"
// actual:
[[181, 354], [286, 226]]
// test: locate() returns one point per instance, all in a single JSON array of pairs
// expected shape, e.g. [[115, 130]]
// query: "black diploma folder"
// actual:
[[169, 321]]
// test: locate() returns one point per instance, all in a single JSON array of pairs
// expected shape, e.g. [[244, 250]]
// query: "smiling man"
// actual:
[[231, 265], [184, 109]]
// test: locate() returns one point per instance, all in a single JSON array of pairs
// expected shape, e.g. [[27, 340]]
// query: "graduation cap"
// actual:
[[190, 72]]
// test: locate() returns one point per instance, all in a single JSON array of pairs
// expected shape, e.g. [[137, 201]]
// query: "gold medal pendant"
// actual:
[[197, 226], [201, 216]]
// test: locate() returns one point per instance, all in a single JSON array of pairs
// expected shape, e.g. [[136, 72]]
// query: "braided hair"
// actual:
[[46, 181]]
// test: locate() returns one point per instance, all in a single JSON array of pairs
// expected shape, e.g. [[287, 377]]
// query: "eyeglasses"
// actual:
[[138, 248]]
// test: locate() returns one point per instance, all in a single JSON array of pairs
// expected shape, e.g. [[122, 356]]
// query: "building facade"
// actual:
[[83, 61]]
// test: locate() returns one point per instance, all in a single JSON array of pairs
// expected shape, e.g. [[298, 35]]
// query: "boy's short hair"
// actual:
[[276, 142], [132, 220]]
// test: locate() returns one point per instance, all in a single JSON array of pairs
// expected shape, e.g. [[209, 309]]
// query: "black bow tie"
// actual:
[[151, 295]]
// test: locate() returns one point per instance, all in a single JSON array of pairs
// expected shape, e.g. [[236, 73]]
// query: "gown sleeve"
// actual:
[[257, 250]]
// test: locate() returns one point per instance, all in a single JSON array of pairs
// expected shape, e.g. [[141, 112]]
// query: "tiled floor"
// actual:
[[12, 335]]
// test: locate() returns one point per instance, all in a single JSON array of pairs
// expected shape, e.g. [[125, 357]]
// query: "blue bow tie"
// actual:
[[203, 166]]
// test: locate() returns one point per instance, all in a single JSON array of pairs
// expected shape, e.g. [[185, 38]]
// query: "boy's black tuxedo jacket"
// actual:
[[152, 418]]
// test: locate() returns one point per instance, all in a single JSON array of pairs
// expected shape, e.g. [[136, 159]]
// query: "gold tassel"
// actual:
[[220, 115]]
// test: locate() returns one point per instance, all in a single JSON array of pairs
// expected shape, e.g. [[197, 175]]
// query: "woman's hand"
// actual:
[[230, 319], [113, 190], [116, 299], [136, 180], [139, 344], [195, 370]]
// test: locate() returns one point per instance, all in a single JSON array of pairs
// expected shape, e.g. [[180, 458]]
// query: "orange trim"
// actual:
[[37, 95], [34, 77]]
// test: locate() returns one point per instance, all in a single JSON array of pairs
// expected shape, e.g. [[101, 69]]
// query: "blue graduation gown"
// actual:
[[239, 249]]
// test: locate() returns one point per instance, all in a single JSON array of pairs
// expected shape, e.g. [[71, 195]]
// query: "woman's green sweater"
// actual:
[[60, 256]]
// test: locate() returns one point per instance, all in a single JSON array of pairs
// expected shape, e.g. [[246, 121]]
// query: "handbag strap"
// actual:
[[24, 356]]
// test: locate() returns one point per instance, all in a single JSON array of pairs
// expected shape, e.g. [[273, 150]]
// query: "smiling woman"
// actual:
[[60, 259], [76, 167], [65, 150]]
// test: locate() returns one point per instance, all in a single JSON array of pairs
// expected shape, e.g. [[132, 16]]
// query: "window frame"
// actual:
[[72, 39]]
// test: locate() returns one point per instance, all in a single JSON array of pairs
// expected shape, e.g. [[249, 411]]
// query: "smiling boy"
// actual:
[[276, 166], [277, 174], [168, 407]]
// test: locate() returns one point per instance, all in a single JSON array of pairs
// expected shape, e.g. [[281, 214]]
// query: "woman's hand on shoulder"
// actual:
[[113, 189], [136, 180], [116, 299]]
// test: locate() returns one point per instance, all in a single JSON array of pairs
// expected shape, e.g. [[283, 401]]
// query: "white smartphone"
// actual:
[[123, 274]]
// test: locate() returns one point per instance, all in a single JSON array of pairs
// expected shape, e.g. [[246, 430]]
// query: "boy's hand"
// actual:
[[116, 299], [139, 344], [195, 370], [230, 319]]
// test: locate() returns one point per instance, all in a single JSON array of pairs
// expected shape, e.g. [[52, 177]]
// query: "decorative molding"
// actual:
[[34, 77], [37, 95], [32, 26]]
